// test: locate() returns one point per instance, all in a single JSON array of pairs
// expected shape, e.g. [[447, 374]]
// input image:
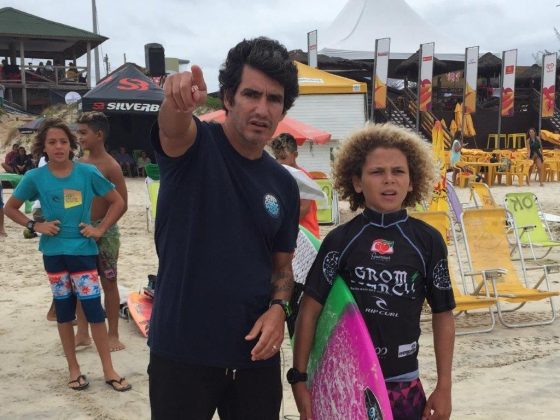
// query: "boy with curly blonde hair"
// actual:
[[391, 262]]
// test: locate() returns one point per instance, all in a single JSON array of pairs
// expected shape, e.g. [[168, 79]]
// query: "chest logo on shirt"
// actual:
[[72, 198], [382, 247], [271, 205]]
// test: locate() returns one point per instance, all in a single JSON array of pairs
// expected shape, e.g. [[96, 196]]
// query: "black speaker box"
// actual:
[[155, 59]]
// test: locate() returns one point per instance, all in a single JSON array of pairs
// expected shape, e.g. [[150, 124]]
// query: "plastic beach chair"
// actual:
[[484, 233], [482, 196], [152, 190], [532, 229], [465, 302]]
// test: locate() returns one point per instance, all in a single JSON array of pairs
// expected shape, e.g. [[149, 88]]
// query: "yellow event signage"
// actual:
[[425, 75], [471, 74], [72, 198], [380, 71], [548, 86], [314, 81], [509, 63]]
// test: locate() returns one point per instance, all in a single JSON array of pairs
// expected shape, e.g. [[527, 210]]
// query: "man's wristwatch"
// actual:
[[31, 225], [284, 304], [294, 376]]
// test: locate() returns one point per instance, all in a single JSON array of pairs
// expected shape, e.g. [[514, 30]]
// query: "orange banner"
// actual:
[[471, 73], [509, 62]]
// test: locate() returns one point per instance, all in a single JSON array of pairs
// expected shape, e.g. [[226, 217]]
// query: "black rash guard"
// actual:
[[391, 263]]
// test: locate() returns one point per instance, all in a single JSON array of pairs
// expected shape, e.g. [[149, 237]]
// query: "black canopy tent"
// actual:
[[131, 101]]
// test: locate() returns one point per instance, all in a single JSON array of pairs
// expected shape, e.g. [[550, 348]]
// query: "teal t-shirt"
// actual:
[[68, 200]]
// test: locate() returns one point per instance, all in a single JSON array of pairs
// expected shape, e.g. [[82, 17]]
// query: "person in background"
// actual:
[[22, 162], [125, 161], [383, 169], [284, 148], [141, 163], [534, 151], [9, 164], [455, 155]]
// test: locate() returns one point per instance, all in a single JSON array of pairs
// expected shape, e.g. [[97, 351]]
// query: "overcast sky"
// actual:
[[203, 30]]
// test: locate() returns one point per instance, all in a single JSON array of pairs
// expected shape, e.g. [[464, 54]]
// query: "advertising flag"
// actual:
[[312, 48], [471, 74], [548, 86], [509, 63], [425, 75], [380, 71]]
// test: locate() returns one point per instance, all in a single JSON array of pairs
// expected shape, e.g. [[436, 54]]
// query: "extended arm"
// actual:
[[183, 92], [438, 405], [270, 325]]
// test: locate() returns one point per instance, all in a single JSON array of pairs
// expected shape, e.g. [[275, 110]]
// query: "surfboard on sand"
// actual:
[[345, 377], [140, 309]]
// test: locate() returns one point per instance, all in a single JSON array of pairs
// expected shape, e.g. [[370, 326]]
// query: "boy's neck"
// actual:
[[96, 152], [60, 168]]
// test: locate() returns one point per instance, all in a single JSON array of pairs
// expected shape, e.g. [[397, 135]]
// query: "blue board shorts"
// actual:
[[74, 277]]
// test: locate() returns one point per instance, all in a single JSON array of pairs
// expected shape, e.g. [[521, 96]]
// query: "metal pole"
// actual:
[[96, 50], [372, 117], [88, 78], [541, 96], [418, 84], [501, 96], [22, 73]]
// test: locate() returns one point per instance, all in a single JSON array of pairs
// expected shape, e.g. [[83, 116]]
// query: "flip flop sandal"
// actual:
[[81, 386], [112, 383]]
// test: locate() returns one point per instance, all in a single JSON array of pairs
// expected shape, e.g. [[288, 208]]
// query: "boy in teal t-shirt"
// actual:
[[66, 190]]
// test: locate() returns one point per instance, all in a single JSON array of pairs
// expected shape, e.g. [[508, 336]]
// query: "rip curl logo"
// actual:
[[382, 247], [271, 205]]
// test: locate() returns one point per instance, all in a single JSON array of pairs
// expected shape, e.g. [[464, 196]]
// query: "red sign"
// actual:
[[132, 84], [509, 69], [427, 58]]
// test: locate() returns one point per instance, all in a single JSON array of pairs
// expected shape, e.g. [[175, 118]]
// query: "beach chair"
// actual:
[[532, 228], [482, 196], [465, 302], [152, 190], [490, 265]]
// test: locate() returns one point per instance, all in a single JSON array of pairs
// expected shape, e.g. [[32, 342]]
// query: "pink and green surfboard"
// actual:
[[345, 377]]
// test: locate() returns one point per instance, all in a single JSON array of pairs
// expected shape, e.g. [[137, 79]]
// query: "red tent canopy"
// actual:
[[299, 130]]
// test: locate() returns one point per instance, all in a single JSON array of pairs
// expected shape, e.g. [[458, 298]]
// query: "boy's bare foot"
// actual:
[[115, 344], [51, 315], [117, 382], [82, 340]]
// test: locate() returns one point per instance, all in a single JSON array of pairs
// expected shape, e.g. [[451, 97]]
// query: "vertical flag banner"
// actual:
[[425, 75], [548, 87], [471, 75], [380, 71], [509, 63], [312, 48]]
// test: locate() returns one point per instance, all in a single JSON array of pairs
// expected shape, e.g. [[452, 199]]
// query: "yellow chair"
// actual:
[[516, 141], [440, 220], [488, 255], [519, 168], [482, 196], [497, 140]]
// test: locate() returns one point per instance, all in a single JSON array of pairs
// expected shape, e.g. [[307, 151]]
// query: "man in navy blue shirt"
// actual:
[[225, 234]]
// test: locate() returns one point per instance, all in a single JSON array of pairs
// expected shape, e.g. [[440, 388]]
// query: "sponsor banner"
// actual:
[[509, 64], [124, 107], [312, 48], [548, 86], [380, 71], [425, 76], [471, 74]]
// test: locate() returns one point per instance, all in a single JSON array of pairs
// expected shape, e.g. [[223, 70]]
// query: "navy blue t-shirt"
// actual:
[[391, 263], [220, 217]]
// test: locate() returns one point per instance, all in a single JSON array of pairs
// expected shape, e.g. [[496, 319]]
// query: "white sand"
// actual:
[[510, 374]]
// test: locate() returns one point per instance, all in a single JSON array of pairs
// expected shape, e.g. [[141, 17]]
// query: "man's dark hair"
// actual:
[[263, 54], [96, 121]]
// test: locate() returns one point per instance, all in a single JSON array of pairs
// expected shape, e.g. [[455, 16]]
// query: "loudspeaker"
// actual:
[[155, 59]]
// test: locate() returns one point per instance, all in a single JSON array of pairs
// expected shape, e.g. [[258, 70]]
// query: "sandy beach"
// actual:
[[508, 373]]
